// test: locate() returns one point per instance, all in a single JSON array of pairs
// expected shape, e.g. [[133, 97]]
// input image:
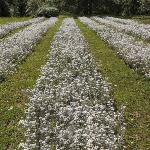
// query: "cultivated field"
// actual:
[[74, 84]]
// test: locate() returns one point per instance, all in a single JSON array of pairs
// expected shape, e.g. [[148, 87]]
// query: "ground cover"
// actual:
[[127, 26], [142, 19], [7, 28], [129, 89], [17, 47], [6, 20], [71, 106], [134, 53], [12, 97], [76, 92]]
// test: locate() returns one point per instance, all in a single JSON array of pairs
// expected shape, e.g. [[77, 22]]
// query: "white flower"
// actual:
[[135, 53], [71, 101], [15, 48], [5, 29]]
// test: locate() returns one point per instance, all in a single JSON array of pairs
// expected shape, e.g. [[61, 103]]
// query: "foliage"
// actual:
[[47, 12], [33, 6], [4, 10], [79, 7], [112, 7]]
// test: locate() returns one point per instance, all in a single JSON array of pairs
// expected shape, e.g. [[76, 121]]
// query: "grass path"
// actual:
[[142, 19], [12, 98], [129, 89], [6, 20]]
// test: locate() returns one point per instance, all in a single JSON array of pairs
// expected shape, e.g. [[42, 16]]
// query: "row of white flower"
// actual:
[[15, 48], [122, 21], [139, 30], [5, 29], [71, 107], [135, 53], [128, 22]]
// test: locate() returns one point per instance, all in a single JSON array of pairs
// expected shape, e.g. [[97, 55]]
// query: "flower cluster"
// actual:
[[135, 53], [129, 22], [136, 29], [5, 29], [70, 107], [122, 21], [15, 48]]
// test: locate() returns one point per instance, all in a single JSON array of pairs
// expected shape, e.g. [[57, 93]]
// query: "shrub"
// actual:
[[47, 12]]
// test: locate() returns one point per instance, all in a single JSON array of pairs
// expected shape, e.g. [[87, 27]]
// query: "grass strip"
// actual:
[[142, 19], [129, 89], [6, 20], [12, 97]]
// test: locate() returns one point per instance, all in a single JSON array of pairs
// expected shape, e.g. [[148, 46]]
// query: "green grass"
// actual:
[[12, 97], [129, 89], [6, 20], [145, 21], [142, 19]]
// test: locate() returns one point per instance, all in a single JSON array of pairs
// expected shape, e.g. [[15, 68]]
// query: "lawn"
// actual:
[[6, 20], [143, 19]]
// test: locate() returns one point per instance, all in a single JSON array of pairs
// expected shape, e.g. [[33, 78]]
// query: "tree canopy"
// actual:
[[78, 7]]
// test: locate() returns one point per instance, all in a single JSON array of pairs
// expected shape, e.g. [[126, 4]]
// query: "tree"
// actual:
[[22, 4], [78, 7], [33, 6], [4, 8]]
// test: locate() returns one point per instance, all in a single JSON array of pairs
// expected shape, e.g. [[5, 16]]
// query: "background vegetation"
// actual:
[[76, 7]]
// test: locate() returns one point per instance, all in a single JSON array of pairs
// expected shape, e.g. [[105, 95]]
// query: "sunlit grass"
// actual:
[[6, 20]]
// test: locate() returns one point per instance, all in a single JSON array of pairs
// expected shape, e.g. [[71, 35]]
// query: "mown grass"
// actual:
[[142, 19], [6, 20], [12, 96], [129, 89], [145, 21]]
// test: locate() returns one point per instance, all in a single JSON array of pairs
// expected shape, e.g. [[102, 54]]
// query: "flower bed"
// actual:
[[70, 106], [15, 48], [136, 29], [128, 22], [122, 21], [5, 29], [135, 53]]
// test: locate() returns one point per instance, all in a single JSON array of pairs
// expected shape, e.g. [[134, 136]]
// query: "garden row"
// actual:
[[5, 29], [128, 22], [135, 53], [15, 48], [127, 26], [70, 106]]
